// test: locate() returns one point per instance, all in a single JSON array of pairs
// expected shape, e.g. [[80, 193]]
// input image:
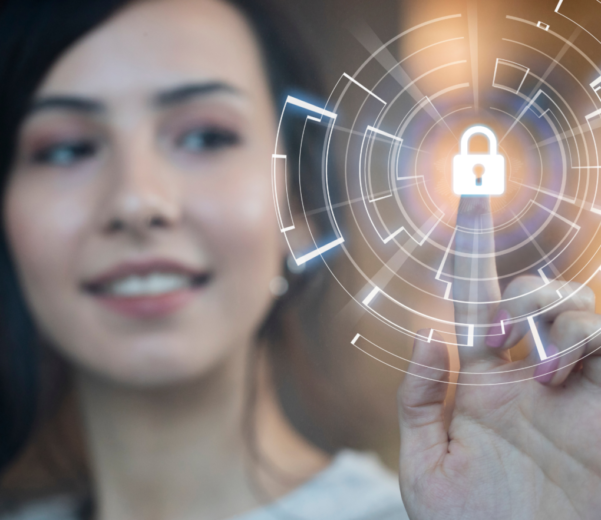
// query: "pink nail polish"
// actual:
[[495, 337], [545, 370]]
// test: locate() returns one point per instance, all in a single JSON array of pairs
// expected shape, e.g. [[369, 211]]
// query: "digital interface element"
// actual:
[[405, 137], [479, 174]]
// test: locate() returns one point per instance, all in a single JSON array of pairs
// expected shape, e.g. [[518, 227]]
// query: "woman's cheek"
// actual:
[[29, 232], [252, 207], [43, 231], [239, 219]]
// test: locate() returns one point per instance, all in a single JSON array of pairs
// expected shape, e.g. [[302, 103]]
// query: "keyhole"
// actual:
[[478, 172]]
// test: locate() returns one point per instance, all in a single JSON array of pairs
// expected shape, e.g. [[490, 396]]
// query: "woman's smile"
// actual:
[[147, 289]]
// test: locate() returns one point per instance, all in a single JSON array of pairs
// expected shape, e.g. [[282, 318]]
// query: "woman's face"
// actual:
[[139, 209]]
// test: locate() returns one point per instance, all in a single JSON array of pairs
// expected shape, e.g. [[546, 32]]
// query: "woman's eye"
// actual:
[[65, 154], [208, 139]]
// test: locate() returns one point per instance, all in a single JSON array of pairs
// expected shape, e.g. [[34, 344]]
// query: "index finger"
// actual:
[[476, 288]]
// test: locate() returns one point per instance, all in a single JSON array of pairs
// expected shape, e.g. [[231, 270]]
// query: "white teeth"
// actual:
[[152, 284]]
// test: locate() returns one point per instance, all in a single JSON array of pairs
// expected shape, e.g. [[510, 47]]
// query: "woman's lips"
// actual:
[[130, 288]]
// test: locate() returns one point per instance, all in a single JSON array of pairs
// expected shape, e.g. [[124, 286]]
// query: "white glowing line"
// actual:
[[557, 215], [309, 106], [546, 192], [283, 229], [517, 119], [590, 125], [447, 292], [406, 121], [385, 134], [596, 82], [580, 203], [581, 27], [381, 132], [390, 63], [381, 198], [573, 132], [430, 335], [371, 296], [542, 275], [543, 26], [537, 340], [470, 336], [317, 252], [355, 338], [410, 309], [593, 114], [513, 65], [559, 37], [571, 295], [388, 239], [364, 88], [410, 115], [442, 263]]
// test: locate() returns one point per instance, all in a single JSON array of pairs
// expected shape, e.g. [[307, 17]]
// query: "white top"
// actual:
[[355, 486]]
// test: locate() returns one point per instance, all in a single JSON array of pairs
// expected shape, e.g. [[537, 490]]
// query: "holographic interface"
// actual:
[[407, 137]]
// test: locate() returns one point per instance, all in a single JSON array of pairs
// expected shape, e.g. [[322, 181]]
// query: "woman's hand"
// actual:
[[525, 448]]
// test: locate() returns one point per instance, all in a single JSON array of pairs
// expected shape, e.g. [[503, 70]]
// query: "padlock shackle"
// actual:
[[479, 129]]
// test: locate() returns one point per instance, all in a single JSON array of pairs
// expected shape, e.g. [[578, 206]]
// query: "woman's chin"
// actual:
[[149, 366]]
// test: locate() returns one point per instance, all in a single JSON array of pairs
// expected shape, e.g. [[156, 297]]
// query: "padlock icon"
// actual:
[[479, 174]]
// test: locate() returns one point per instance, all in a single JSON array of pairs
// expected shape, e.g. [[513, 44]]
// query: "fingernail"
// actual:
[[495, 337], [544, 371]]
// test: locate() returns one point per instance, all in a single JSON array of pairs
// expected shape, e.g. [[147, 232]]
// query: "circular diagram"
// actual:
[[402, 140]]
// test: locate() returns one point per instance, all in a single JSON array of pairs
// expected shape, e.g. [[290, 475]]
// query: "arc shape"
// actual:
[[479, 129]]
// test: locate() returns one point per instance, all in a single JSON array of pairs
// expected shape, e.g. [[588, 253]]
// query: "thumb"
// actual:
[[424, 438]]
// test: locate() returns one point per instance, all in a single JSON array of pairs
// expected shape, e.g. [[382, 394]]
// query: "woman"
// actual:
[[140, 244]]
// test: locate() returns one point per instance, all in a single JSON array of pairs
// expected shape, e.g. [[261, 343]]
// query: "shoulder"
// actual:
[[62, 507], [356, 486]]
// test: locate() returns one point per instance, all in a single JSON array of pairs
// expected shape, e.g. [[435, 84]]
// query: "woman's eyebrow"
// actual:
[[166, 98], [65, 102], [185, 92]]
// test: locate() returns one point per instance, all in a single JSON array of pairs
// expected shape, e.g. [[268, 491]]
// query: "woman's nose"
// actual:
[[143, 195]]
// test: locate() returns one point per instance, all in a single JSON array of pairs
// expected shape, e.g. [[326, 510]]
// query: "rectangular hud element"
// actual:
[[381, 152], [284, 211], [509, 75], [596, 86]]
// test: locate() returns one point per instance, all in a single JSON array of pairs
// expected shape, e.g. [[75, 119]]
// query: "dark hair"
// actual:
[[34, 35]]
